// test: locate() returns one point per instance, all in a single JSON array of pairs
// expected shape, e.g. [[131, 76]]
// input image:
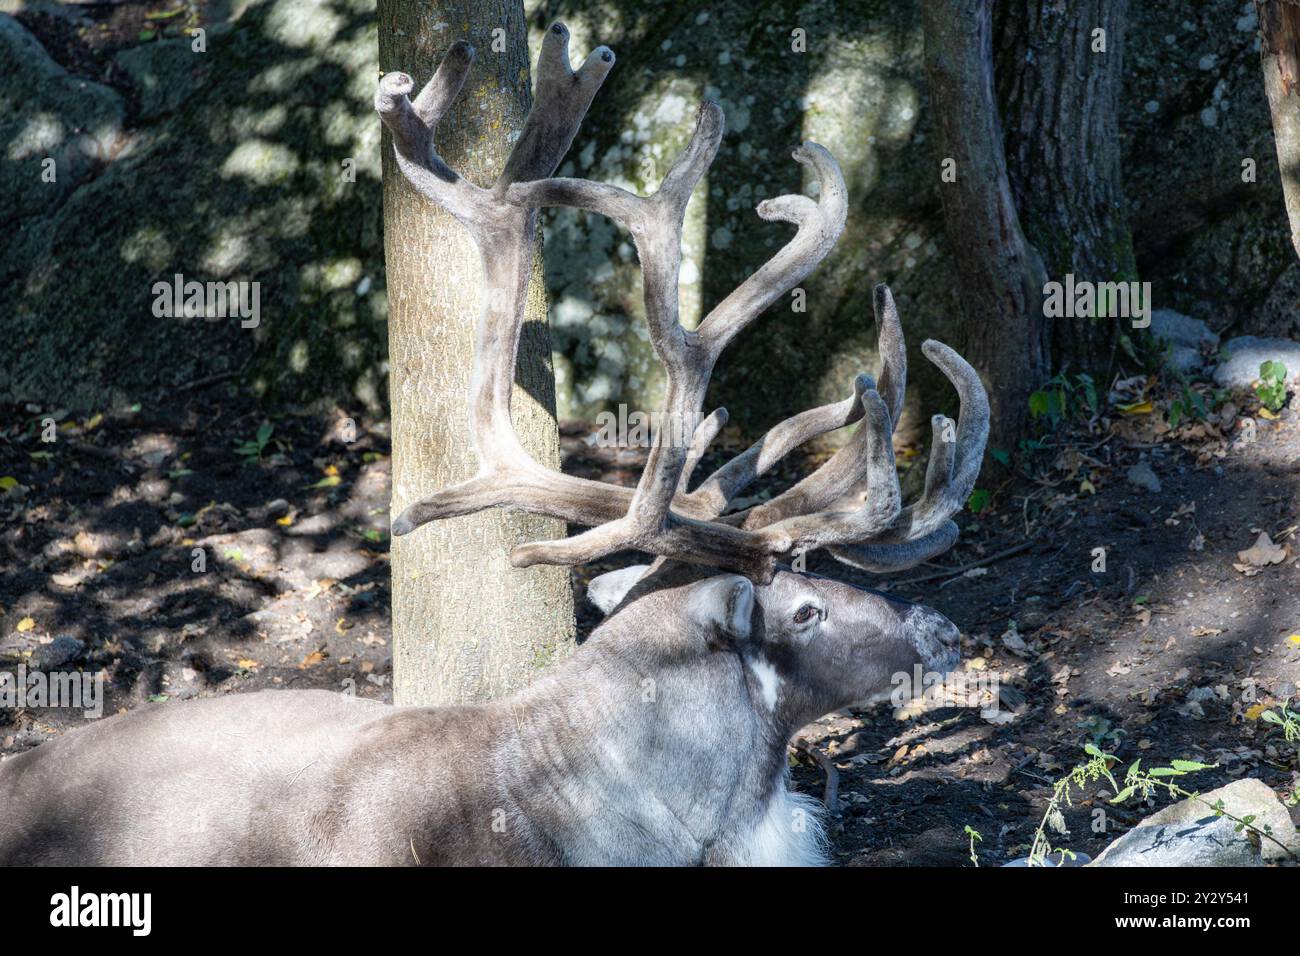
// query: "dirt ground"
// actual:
[[1159, 656]]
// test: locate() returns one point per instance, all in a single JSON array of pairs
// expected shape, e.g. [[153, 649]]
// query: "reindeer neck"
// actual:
[[621, 759]]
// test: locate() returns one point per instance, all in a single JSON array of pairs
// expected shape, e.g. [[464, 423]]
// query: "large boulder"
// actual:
[[1190, 833], [254, 160], [1243, 356], [58, 130], [1187, 338]]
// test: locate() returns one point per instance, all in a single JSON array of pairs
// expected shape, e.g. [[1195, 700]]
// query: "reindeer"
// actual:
[[663, 739]]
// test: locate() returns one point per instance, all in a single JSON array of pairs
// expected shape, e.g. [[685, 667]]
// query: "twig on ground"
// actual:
[[963, 568], [831, 795]]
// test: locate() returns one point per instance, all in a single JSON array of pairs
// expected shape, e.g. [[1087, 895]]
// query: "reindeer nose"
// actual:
[[935, 638]]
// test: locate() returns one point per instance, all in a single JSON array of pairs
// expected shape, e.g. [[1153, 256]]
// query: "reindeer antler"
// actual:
[[660, 516]]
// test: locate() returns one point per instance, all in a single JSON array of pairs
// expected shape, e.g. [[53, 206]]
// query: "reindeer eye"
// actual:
[[805, 614]]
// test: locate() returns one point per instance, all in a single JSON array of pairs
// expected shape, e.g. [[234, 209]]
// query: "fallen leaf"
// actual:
[[7, 482], [342, 626], [247, 664], [312, 659], [1253, 712], [1136, 408], [26, 624], [1262, 553], [285, 521]]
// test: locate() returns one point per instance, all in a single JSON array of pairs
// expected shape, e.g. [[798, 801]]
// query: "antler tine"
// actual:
[[955, 459], [413, 127], [705, 432], [716, 491], [837, 476], [886, 558], [563, 98], [893, 351], [872, 455], [820, 224], [926, 529]]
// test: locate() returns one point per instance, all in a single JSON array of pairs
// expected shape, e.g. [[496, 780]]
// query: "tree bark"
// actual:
[[1279, 29], [466, 626], [1000, 273], [1060, 100]]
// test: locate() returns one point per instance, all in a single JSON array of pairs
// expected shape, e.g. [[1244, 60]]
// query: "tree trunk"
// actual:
[[1060, 99], [1279, 29], [1000, 274], [466, 626]]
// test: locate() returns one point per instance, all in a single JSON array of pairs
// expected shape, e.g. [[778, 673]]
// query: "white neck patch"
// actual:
[[769, 681]]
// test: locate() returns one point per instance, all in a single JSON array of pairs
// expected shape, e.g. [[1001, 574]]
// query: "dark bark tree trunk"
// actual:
[[1000, 273], [466, 626], [1059, 96], [1279, 29]]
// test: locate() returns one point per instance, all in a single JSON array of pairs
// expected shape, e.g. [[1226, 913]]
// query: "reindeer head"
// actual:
[[811, 644], [832, 642]]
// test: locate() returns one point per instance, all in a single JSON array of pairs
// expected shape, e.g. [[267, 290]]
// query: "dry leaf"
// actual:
[[1136, 408], [26, 624], [1262, 553], [312, 659]]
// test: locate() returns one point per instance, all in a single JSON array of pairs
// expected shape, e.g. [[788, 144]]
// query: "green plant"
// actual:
[[1062, 397], [251, 449], [978, 500], [1191, 404], [1137, 782], [1287, 719], [974, 837], [1271, 387]]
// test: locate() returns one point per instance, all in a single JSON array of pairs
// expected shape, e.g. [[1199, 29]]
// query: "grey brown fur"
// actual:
[[661, 742]]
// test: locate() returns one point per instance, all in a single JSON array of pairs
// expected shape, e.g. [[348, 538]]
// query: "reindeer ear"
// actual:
[[723, 605], [607, 591]]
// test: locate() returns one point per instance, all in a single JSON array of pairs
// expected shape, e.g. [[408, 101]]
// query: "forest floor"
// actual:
[[1165, 654]]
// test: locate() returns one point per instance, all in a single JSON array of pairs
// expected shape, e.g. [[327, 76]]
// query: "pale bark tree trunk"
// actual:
[[466, 625], [1279, 28], [1000, 274], [1059, 93]]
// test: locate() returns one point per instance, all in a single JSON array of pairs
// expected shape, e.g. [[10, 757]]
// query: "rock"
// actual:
[[256, 161], [164, 74], [1244, 355], [48, 114], [1189, 833], [1187, 337], [63, 650], [1141, 476]]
